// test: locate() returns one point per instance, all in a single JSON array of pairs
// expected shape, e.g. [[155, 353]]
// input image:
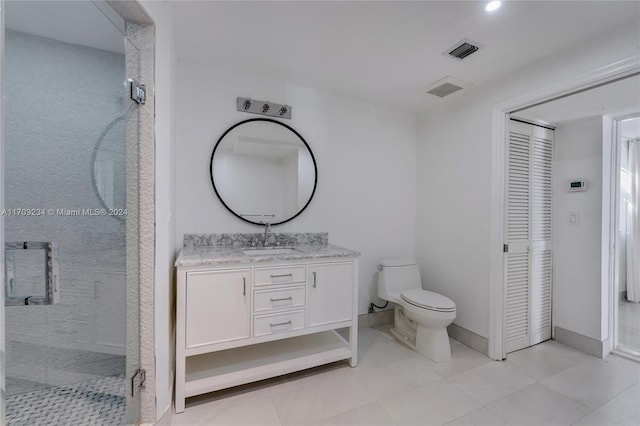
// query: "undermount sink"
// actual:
[[269, 251]]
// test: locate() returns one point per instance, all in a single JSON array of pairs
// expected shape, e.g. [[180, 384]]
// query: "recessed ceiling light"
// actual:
[[493, 6]]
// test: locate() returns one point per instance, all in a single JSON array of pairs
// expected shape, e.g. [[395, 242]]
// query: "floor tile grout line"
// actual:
[[615, 396], [569, 397], [396, 421], [496, 414], [275, 407], [372, 399], [591, 408], [587, 414]]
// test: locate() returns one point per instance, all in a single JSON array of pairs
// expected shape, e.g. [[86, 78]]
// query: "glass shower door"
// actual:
[[67, 120]]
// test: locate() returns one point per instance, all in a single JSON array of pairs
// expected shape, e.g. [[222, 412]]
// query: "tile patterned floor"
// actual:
[[548, 384], [31, 367], [94, 402], [57, 386]]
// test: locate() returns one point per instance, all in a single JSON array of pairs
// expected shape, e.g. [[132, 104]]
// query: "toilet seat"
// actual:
[[428, 300]]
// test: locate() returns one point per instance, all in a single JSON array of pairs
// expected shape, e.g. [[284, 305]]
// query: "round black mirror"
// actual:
[[263, 171]]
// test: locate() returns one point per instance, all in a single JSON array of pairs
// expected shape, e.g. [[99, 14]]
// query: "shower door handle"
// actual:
[[51, 280]]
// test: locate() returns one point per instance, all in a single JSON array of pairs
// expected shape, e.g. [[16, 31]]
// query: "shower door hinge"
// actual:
[[137, 91], [137, 381]]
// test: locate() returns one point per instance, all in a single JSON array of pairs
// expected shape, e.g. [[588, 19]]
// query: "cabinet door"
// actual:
[[217, 306], [330, 293]]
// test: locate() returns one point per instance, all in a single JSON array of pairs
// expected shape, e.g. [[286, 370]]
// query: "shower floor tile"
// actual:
[[95, 402], [33, 367]]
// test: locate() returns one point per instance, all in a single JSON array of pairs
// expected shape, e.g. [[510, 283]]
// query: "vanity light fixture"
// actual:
[[254, 106], [492, 6]]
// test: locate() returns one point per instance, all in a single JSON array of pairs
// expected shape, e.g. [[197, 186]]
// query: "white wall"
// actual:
[[165, 61], [454, 173], [365, 155], [577, 247]]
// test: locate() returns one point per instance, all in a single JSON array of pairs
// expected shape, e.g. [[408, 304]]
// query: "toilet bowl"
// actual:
[[421, 317]]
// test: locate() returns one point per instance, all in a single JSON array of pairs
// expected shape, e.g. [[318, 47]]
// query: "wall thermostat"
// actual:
[[577, 185]]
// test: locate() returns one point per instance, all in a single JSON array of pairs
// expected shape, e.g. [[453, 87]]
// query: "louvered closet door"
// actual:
[[528, 236], [516, 322], [540, 294]]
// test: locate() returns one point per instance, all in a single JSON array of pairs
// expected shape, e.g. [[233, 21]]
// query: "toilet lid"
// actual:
[[428, 300]]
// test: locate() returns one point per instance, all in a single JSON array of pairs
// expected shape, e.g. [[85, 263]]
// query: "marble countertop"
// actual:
[[196, 256]]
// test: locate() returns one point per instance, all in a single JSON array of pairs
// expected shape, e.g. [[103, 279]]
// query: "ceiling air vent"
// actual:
[[444, 90], [462, 49], [445, 87]]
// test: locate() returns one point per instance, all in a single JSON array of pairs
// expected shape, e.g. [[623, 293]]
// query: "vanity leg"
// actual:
[[180, 341], [353, 342], [353, 330], [179, 402]]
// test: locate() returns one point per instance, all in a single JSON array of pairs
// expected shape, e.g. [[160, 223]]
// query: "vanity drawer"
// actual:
[[263, 325], [280, 275], [267, 300]]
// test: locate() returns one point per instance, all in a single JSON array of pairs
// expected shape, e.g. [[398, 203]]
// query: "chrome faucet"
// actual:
[[267, 229]]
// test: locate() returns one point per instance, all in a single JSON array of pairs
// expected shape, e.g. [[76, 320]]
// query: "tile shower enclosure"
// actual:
[[60, 98]]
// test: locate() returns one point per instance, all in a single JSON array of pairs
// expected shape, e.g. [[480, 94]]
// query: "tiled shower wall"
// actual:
[[59, 98]]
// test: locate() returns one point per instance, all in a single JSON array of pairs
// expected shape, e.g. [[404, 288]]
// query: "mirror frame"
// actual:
[[94, 156], [313, 158]]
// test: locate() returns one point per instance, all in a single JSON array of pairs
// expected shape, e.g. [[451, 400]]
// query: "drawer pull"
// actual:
[[244, 286], [281, 299], [281, 275], [280, 323], [315, 279]]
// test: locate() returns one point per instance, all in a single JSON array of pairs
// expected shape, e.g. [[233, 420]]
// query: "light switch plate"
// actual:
[[574, 219]]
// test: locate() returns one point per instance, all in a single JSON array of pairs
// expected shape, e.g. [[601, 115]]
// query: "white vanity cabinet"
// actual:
[[239, 323], [330, 301], [217, 306]]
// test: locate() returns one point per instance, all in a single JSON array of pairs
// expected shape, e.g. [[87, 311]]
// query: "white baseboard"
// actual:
[[375, 318], [165, 418], [469, 338], [580, 342]]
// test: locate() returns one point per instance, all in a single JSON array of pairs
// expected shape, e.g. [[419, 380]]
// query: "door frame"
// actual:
[[613, 183], [140, 28], [518, 247], [3, 356], [500, 115]]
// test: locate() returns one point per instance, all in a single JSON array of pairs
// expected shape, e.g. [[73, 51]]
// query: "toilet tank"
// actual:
[[397, 276]]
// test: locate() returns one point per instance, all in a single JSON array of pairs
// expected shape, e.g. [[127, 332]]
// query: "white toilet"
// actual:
[[421, 317]]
